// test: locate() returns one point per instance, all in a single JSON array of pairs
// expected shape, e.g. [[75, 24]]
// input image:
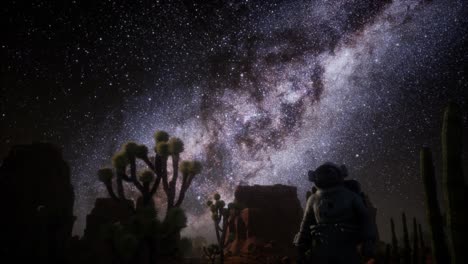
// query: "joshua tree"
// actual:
[[211, 252], [220, 215], [395, 249], [406, 242], [453, 182], [147, 183], [434, 216]]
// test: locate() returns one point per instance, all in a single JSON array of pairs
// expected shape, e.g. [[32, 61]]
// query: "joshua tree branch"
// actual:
[[183, 189], [120, 190], [173, 182], [110, 190], [155, 186], [124, 176], [164, 175], [157, 169], [146, 193], [149, 164], [133, 176], [157, 164], [223, 232], [218, 237]]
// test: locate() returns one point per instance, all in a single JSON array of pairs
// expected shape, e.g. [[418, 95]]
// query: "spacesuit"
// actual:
[[335, 220]]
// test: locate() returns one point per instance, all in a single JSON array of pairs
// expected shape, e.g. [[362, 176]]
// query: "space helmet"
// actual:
[[328, 175]]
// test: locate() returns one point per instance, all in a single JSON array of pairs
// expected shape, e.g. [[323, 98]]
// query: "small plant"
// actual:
[[395, 249], [211, 252], [406, 242]]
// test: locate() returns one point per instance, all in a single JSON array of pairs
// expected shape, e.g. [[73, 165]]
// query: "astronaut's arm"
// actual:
[[303, 237]]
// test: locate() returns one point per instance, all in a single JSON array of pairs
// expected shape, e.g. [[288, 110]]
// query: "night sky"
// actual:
[[260, 91]]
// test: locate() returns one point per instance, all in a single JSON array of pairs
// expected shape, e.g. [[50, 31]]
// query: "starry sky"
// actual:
[[260, 91]]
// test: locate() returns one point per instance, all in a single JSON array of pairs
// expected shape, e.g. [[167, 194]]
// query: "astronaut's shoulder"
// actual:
[[312, 199]]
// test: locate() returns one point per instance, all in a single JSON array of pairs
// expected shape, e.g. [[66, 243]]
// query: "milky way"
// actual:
[[261, 93]]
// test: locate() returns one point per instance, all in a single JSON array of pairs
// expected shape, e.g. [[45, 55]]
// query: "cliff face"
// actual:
[[268, 223], [36, 197]]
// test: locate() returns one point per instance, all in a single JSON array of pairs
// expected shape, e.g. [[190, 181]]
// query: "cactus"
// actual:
[[211, 252], [453, 181], [415, 242], [149, 180], [395, 249], [387, 256], [422, 246], [439, 245], [406, 242]]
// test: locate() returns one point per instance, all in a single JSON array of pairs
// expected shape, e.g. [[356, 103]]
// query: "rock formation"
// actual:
[[106, 211], [36, 197], [268, 222]]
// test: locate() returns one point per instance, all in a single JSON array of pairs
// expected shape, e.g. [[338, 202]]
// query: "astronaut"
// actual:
[[336, 220]]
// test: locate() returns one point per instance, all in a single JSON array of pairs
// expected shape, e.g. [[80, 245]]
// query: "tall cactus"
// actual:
[[125, 168], [388, 254], [395, 249], [415, 242], [422, 246], [439, 245], [406, 242], [211, 252], [453, 182]]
